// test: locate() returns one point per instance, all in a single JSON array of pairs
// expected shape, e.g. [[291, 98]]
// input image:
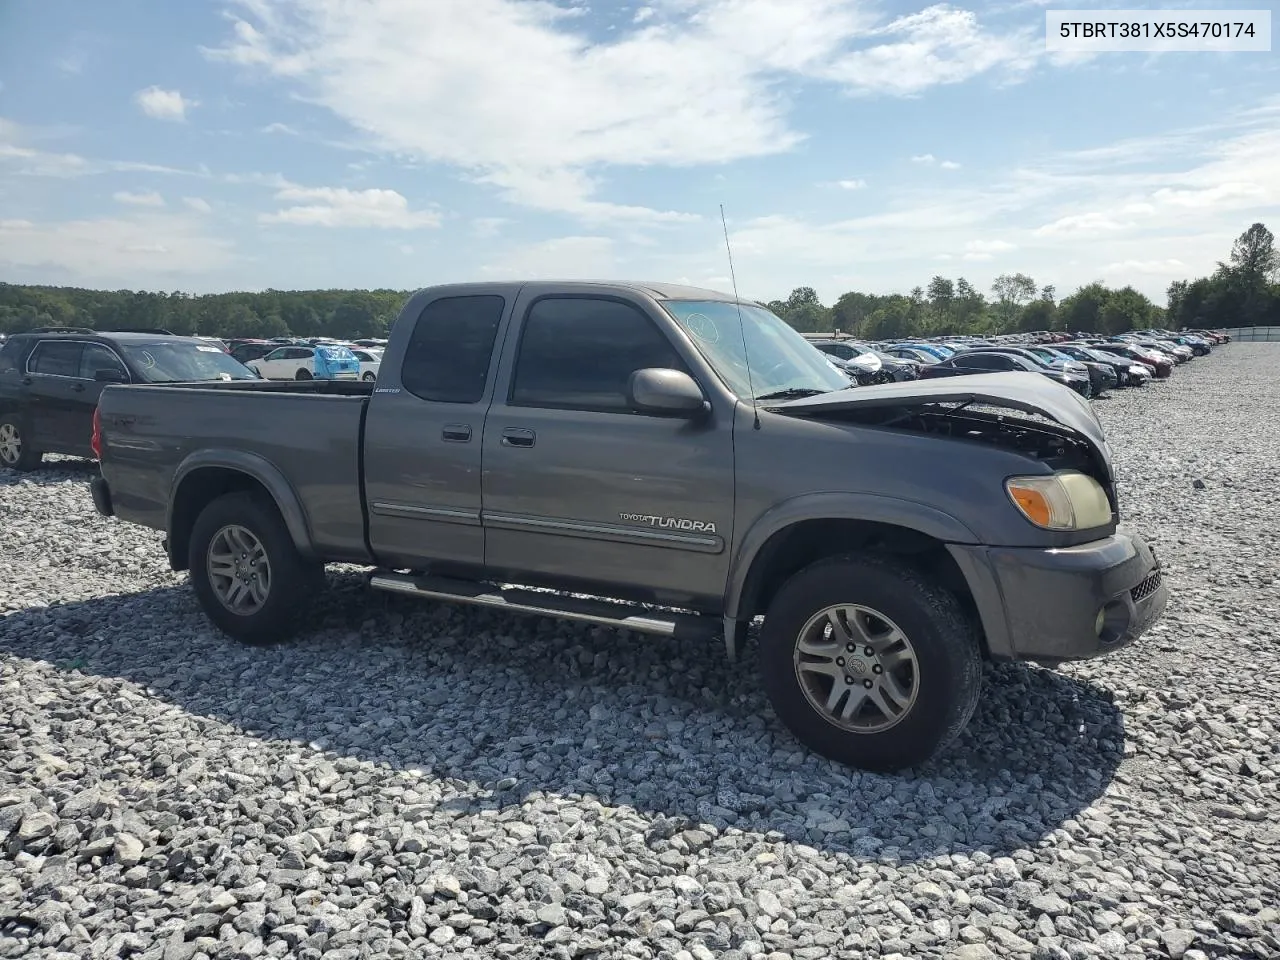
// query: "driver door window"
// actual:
[[579, 354], [97, 357]]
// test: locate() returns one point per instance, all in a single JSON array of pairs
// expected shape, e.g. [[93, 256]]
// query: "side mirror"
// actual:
[[666, 393], [109, 376]]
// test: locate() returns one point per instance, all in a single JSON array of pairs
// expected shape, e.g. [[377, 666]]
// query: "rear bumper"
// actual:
[[1043, 605], [101, 493]]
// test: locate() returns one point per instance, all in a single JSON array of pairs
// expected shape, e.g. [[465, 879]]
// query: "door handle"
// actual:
[[517, 437], [78, 387], [457, 432]]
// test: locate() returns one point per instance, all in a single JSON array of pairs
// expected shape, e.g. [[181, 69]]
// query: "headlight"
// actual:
[[1067, 500]]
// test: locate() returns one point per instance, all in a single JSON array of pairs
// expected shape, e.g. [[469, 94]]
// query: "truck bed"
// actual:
[[307, 431]]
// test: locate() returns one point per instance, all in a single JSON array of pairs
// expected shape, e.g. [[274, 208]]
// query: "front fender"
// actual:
[[260, 469], [875, 508]]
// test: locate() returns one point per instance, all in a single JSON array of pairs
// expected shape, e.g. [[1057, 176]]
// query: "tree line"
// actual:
[[1243, 291]]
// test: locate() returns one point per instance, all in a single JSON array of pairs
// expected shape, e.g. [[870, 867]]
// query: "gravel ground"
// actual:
[[425, 780]]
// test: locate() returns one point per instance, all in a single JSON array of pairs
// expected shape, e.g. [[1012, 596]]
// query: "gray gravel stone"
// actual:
[[415, 780]]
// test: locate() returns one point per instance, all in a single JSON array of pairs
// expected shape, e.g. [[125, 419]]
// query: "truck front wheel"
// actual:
[[870, 663], [246, 571]]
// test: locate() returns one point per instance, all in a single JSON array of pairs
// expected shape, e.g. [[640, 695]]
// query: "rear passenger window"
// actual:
[[983, 362], [56, 359], [579, 353], [448, 356]]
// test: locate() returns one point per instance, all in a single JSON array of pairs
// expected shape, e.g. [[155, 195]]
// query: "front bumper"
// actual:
[[1043, 605], [101, 493]]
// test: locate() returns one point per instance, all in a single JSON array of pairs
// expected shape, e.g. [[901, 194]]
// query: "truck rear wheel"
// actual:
[[248, 575], [870, 663]]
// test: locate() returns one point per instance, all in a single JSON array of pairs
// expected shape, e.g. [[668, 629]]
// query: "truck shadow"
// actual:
[[514, 705]]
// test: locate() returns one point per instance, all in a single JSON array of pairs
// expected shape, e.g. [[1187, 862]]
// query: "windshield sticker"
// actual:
[[203, 349], [701, 326]]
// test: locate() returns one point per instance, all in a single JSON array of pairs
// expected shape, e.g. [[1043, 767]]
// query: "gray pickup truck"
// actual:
[[661, 459]]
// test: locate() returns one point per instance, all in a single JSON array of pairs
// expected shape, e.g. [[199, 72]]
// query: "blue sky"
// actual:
[[208, 146]]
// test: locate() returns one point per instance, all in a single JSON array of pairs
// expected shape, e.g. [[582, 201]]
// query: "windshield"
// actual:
[[183, 361], [781, 359]]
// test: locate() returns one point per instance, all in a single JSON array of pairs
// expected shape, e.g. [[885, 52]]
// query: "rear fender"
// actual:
[[257, 468]]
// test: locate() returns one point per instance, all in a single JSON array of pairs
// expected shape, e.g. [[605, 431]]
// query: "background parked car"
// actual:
[[319, 362], [370, 361], [246, 350], [50, 383], [977, 361]]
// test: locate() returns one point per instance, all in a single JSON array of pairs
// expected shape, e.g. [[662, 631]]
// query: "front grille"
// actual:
[[1146, 588]]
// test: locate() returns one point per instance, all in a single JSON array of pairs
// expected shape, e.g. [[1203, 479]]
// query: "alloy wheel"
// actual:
[[857, 668], [10, 444], [239, 570]]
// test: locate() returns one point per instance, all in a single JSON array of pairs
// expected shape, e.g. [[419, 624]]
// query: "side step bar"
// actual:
[[681, 626]]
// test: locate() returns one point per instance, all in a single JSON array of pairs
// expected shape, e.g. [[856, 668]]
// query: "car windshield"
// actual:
[[184, 361], [333, 352], [781, 359]]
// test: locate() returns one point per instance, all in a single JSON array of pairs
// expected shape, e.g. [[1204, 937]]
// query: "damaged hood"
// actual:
[[1028, 392]]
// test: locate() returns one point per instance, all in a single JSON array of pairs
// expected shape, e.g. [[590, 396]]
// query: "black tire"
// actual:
[[949, 663], [27, 458], [369, 375], [303, 374], [293, 578]]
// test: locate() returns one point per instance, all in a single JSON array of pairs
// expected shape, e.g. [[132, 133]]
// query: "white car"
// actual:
[[370, 360], [294, 362]]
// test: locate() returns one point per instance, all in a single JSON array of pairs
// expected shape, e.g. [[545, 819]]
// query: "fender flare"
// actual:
[[258, 468], [871, 507]]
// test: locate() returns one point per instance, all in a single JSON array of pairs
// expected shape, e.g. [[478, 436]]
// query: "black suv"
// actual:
[[50, 381]]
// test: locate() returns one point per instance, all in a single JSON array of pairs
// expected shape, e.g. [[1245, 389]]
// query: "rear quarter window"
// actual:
[[449, 353]]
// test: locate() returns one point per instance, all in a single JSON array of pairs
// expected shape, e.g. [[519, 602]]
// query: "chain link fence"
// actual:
[[1251, 333]]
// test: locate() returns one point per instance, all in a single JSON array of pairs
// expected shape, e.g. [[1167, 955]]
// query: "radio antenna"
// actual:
[[742, 328]]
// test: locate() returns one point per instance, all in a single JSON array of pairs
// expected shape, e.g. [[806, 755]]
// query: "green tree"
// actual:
[[1126, 309], [850, 312], [970, 305], [1082, 311], [1037, 315], [1012, 291], [892, 320]]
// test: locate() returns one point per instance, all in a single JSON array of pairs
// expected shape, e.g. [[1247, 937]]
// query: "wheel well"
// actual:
[[792, 549], [198, 489]]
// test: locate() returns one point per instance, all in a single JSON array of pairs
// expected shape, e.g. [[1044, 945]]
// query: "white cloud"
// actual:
[[851, 184], [148, 199], [198, 204], [485, 228], [928, 160], [1171, 268], [1125, 213], [153, 249], [1080, 224], [518, 96], [279, 128], [343, 207], [579, 257], [986, 249], [643, 14], [37, 163], [161, 104]]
